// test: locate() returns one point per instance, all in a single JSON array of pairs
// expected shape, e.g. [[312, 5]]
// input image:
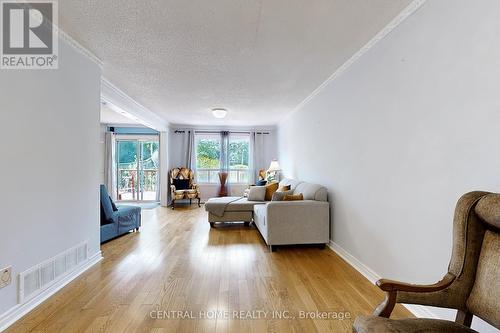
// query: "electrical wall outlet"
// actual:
[[5, 277]]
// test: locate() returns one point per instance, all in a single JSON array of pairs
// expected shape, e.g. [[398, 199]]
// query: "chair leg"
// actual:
[[173, 204], [190, 201], [212, 224], [464, 318], [199, 202], [246, 223]]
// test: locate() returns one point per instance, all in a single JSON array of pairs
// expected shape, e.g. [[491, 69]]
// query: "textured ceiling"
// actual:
[[258, 59]]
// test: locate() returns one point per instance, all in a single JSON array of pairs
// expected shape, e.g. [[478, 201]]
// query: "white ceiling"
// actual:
[[111, 117], [258, 59]]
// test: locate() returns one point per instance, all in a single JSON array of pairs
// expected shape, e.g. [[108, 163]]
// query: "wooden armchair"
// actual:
[[471, 286], [182, 186]]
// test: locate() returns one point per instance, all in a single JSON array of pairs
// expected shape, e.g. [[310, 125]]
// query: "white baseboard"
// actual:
[[421, 311], [418, 311], [20, 310], [354, 262]]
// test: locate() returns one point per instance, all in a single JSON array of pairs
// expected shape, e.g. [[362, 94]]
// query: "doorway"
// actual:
[[137, 167]]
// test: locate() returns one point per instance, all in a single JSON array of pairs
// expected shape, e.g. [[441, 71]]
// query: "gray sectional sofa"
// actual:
[[280, 222]]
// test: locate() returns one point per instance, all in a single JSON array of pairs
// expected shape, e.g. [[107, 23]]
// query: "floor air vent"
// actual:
[[40, 277]]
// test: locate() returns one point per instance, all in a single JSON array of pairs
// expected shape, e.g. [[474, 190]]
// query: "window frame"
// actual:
[[212, 173]]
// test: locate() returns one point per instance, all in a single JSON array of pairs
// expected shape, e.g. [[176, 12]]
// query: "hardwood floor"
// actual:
[[178, 263]]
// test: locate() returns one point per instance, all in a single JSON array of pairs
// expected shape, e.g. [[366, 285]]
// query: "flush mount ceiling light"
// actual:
[[219, 113]]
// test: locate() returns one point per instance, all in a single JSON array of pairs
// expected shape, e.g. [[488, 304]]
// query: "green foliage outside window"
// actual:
[[238, 154], [208, 154]]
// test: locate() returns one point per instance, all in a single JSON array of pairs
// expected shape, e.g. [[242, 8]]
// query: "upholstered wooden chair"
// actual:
[[471, 286], [182, 186]]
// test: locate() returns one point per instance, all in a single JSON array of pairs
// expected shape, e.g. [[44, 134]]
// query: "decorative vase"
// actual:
[[223, 179]]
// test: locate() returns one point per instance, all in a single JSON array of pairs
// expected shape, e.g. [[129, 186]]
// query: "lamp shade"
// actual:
[[274, 166]]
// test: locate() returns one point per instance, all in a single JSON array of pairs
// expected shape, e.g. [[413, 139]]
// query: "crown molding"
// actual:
[[403, 15], [115, 96], [271, 128], [78, 47]]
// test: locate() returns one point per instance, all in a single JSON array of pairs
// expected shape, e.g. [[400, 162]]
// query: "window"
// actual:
[[207, 158], [239, 146], [208, 154], [137, 168]]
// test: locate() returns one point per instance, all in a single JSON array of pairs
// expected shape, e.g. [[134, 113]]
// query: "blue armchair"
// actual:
[[116, 221]]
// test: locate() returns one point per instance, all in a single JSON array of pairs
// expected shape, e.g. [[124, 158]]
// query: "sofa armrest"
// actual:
[[298, 222]]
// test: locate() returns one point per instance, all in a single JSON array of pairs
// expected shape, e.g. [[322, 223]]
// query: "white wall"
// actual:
[[50, 163], [102, 152], [400, 135], [177, 157]]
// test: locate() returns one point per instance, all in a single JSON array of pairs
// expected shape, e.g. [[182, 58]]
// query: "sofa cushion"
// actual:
[[257, 193], [284, 188], [293, 197], [279, 195], [113, 205], [292, 182], [270, 189], [181, 184], [312, 191], [106, 206]]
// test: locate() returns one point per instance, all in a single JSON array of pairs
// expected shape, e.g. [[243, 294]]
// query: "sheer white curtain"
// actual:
[[256, 155], [110, 164]]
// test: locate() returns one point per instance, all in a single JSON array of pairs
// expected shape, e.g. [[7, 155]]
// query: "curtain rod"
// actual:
[[216, 132]]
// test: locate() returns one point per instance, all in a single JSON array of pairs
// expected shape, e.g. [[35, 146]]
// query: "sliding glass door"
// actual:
[[137, 168]]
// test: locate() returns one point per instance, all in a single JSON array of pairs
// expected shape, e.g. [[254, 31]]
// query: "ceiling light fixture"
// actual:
[[219, 113]]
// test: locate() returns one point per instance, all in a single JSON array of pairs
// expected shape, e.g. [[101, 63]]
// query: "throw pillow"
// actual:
[[261, 182], [293, 197], [181, 184], [257, 193], [278, 196], [270, 189], [285, 188], [113, 205]]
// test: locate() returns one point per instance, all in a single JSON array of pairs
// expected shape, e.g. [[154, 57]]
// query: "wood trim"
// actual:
[[390, 285]]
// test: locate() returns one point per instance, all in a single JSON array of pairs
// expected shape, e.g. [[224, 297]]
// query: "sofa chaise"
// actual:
[[230, 209], [117, 220]]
